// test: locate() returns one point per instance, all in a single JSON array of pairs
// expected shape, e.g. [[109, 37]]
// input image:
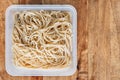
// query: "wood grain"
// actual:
[[98, 39], [103, 42]]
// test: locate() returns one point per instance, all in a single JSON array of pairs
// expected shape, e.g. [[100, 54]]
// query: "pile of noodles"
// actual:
[[42, 39]]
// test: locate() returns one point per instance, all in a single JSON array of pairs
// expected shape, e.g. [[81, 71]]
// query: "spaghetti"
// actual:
[[42, 39]]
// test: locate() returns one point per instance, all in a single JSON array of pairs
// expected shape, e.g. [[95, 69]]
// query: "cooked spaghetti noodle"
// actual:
[[42, 39]]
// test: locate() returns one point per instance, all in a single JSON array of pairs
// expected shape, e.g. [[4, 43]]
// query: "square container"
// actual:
[[9, 22]]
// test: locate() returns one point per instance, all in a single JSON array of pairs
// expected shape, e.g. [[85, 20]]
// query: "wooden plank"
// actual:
[[29, 1], [104, 40], [99, 40], [115, 39]]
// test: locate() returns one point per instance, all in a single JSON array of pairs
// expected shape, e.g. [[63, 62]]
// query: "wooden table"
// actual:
[[98, 39]]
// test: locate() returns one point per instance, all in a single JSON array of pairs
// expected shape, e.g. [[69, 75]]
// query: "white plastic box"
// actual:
[[17, 71]]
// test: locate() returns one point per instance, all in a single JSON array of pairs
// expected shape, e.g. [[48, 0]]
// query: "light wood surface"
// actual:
[[98, 39]]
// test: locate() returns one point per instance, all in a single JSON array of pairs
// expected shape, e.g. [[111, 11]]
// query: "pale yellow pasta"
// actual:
[[42, 39]]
